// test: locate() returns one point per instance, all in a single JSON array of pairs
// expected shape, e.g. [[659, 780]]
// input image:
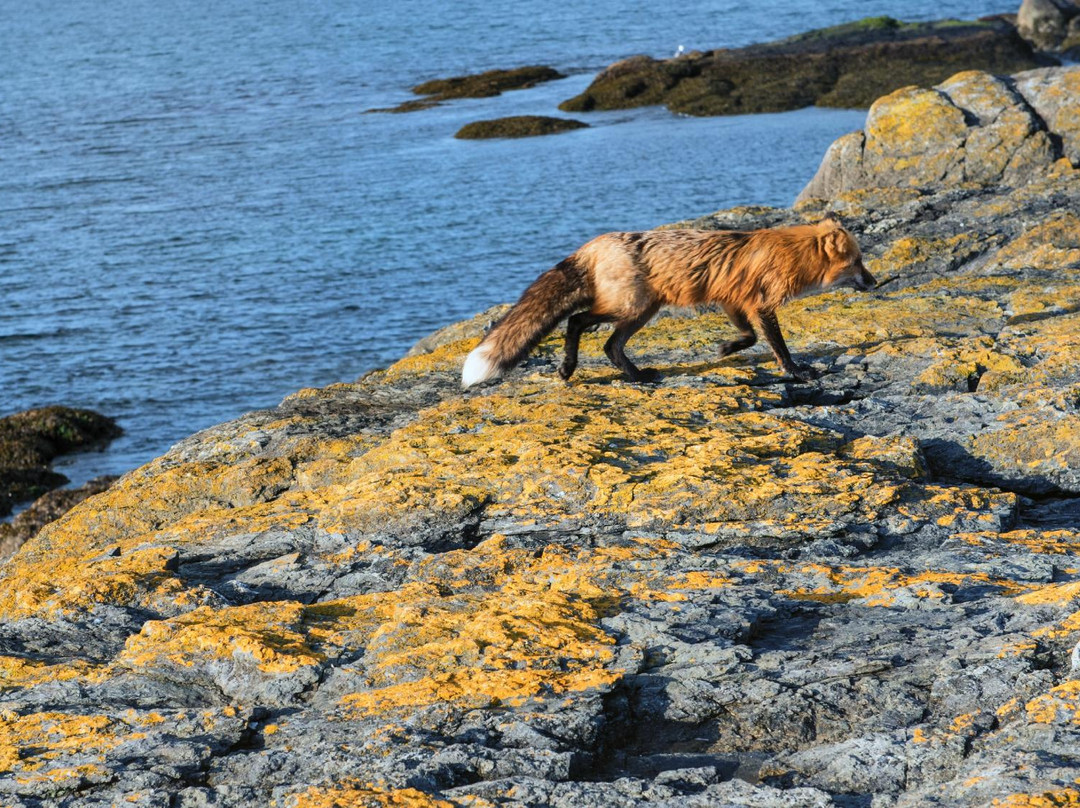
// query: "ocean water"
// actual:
[[197, 217]]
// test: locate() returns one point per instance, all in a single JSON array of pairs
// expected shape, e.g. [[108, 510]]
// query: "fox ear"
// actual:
[[830, 221], [834, 244]]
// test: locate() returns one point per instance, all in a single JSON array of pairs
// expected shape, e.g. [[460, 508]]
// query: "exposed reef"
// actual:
[[724, 589], [844, 66], [518, 126], [478, 85]]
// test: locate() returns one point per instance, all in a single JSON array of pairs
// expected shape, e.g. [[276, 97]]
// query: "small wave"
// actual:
[[29, 336], [83, 181]]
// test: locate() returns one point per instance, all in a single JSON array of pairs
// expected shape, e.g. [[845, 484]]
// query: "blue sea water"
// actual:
[[197, 218]]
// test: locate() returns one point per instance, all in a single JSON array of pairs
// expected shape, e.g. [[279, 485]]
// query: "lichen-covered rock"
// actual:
[[518, 126], [975, 128], [46, 508], [1052, 94], [847, 65], [723, 589]]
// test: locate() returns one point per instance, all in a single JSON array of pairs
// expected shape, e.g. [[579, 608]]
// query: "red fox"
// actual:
[[624, 278]]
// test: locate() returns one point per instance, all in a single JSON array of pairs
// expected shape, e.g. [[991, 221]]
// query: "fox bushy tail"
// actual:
[[550, 298]]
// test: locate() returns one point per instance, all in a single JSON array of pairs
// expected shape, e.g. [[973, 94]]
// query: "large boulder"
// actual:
[[973, 128]]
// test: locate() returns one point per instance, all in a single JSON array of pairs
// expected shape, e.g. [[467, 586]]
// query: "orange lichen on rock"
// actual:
[[23, 672], [878, 586], [1047, 799], [907, 251], [1051, 244], [888, 320], [144, 576], [264, 635], [643, 456], [359, 794], [1040, 445], [913, 135], [1062, 703], [970, 364], [30, 743], [486, 649]]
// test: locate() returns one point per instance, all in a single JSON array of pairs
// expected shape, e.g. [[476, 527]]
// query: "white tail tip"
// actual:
[[478, 367]]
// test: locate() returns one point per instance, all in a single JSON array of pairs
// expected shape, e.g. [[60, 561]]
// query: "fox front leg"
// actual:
[[771, 329], [747, 337]]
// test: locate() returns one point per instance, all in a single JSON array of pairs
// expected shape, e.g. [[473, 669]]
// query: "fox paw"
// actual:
[[733, 346], [566, 371], [804, 373], [646, 376]]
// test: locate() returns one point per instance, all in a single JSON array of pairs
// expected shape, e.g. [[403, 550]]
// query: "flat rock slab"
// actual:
[[722, 589]]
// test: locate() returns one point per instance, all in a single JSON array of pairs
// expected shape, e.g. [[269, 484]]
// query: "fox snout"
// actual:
[[863, 280]]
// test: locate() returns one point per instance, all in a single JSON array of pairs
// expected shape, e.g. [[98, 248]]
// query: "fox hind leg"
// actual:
[[624, 329], [575, 326], [747, 337]]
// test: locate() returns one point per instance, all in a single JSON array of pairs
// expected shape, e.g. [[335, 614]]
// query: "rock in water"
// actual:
[[518, 126], [483, 85], [478, 85], [1047, 24]]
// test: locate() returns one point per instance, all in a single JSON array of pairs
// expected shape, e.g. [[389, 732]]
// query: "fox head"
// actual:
[[845, 265]]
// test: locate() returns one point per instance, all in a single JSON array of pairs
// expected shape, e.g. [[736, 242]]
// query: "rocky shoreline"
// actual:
[[724, 589], [849, 65]]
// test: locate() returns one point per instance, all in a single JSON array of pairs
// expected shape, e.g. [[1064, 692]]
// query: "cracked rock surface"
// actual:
[[722, 589]]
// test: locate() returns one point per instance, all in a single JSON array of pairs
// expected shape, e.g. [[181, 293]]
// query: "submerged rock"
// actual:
[[845, 66], [518, 126], [724, 589]]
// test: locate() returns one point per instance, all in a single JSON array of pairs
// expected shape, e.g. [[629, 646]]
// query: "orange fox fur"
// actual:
[[624, 279]]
